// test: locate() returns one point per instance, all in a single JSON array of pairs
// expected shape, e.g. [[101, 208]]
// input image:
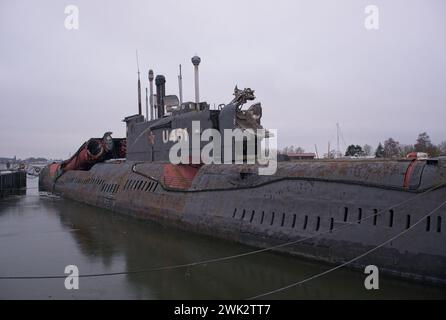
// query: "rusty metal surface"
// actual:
[[391, 174]]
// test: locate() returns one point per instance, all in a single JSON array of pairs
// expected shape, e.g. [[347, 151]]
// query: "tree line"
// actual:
[[391, 148]]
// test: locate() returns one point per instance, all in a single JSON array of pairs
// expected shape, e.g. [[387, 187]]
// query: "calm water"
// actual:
[[40, 234]]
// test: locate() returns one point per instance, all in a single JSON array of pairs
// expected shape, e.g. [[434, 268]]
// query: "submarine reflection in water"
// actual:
[[42, 234]]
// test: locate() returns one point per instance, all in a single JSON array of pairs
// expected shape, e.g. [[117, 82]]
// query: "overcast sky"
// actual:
[[311, 63]]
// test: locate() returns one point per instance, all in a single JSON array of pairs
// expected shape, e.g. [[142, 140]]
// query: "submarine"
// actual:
[[384, 212]]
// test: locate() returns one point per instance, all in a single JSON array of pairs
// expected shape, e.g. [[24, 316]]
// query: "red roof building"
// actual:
[[301, 156]]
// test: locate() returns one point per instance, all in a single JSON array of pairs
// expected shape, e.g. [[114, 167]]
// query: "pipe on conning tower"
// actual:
[[196, 61], [151, 93], [160, 82], [139, 95], [180, 86]]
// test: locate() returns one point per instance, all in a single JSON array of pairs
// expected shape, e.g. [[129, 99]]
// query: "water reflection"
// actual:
[[42, 234]]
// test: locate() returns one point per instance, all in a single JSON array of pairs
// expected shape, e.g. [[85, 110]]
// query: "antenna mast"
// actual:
[[139, 86], [328, 151], [180, 86], [338, 151], [147, 106], [152, 105]]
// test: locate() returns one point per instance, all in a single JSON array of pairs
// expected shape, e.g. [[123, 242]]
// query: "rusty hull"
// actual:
[[303, 199]]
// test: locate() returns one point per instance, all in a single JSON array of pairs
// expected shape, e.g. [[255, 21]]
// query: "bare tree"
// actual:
[[391, 148], [423, 142], [442, 148], [406, 149], [330, 155], [367, 150], [292, 149], [299, 150], [284, 150]]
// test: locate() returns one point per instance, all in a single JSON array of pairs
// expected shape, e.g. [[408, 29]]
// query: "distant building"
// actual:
[[301, 156]]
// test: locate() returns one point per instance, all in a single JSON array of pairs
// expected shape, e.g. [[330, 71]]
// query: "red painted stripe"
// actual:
[[408, 174], [179, 176]]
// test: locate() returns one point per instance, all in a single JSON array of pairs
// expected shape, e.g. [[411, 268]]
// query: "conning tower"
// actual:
[[152, 139]]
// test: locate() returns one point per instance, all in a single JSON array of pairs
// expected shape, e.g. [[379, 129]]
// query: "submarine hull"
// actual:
[[331, 211]]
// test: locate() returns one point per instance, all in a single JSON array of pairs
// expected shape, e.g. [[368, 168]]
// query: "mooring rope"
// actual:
[[214, 260], [351, 260]]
